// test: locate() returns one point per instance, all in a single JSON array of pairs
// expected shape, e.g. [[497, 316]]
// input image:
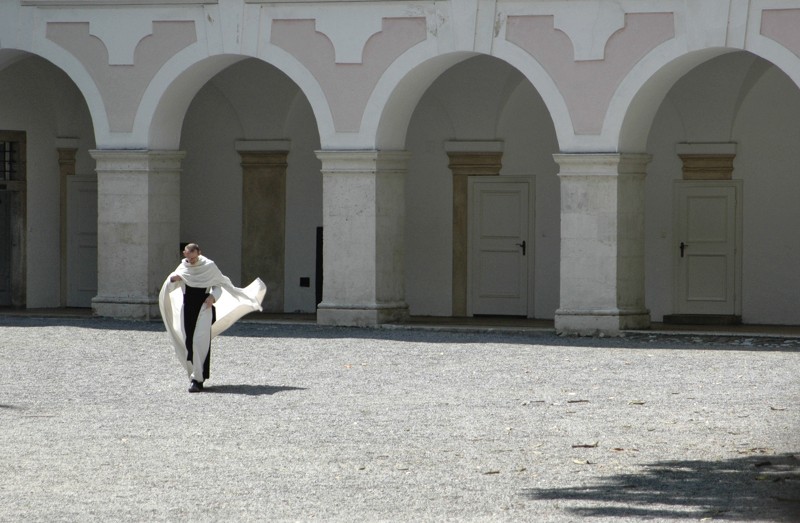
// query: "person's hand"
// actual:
[[174, 278]]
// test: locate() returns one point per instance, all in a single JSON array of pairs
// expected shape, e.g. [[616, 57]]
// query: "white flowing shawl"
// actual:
[[231, 305]]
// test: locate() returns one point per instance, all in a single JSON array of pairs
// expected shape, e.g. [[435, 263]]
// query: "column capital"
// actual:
[[373, 161], [601, 164], [136, 160]]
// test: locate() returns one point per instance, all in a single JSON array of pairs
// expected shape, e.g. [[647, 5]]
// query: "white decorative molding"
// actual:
[[349, 162], [121, 35], [348, 39], [601, 164], [589, 33], [136, 160]]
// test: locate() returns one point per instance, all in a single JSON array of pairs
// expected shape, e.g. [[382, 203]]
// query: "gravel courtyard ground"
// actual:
[[309, 423]]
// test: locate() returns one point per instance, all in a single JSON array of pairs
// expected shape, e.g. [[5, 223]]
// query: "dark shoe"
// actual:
[[196, 386]]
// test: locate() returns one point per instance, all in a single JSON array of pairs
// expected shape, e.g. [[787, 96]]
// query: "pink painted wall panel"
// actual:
[[783, 26], [587, 86], [348, 86]]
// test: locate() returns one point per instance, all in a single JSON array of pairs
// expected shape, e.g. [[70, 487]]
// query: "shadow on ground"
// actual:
[[249, 390], [313, 331], [754, 488]]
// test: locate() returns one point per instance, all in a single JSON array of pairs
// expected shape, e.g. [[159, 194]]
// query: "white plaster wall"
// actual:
[[211, 181], [663, 169], [250, 101], [429, 213], [303, 206], [479, 99], [745, 100], [768, 132], [530, 142], [44, 103]]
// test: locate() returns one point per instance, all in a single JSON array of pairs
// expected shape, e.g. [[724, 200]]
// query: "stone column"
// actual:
[[138, 222], [467, 159], [602, 243], [363, 211], [66, 168], [264, 220]]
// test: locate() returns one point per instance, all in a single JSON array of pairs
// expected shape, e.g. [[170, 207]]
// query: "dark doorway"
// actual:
[[12, 218]]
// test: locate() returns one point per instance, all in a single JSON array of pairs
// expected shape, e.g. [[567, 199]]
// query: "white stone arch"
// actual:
[[400, 88], [389, 109], [544, 84], [778, 55], [638, 97], [9, 56], [77, 73], [160, 115]]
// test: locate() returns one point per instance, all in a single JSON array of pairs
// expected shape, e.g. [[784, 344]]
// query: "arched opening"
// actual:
[[480, 138], [721, 214], [47, 185], [251, 188]]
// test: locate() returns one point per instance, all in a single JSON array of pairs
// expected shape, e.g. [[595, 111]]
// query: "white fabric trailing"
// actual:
[[231, 304]]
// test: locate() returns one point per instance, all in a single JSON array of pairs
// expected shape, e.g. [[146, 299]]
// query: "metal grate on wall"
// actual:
[[9, 158]]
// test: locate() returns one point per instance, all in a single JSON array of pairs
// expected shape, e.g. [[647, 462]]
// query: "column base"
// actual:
[[361, 316], [130, 308], [600, 322]]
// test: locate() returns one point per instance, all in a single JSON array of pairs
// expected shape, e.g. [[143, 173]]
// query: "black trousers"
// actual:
[[193, 300]]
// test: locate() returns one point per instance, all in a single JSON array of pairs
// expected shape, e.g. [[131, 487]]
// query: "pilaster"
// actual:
[[467, 158], [138, 221], [363, 249], [66, 167], [602, 243], [264, 220]]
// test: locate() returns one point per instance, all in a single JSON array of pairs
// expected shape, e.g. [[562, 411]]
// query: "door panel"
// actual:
[[706, 254], [706, 278], [499, 247], [81, 240]]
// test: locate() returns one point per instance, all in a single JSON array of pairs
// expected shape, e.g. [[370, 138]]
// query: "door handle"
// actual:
[[523, 247], [683, 247]]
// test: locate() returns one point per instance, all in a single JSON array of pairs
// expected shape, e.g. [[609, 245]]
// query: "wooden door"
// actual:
[[81, 240], [499, 245], [706, 247]]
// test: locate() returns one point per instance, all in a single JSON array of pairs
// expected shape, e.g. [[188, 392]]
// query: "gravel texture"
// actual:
[[310, 423]]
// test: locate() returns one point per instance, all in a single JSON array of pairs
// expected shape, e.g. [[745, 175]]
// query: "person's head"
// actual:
[[191, 252]]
